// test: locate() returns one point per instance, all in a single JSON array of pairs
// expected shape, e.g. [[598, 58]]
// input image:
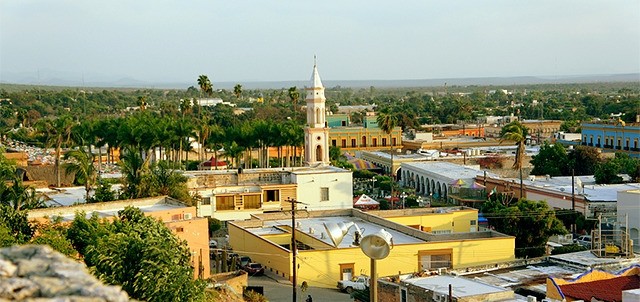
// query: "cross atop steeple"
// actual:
[[315, 76]]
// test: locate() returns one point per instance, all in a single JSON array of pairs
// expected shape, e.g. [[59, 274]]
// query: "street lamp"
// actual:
[[376, 246], [373, 184], [403, 196]]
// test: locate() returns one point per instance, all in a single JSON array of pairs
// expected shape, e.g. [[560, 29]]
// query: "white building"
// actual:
[[629, 212], [238, 194]]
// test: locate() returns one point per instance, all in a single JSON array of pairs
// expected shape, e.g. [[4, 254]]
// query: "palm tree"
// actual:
[[387, 122], [82, 167], [516, 132], [237, 91], [205, 85], [203, 130], [57, 133], [294, 95], [132, 167]]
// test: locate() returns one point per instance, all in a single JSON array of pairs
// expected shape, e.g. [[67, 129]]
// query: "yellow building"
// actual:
[[367, 136], [423, 239]]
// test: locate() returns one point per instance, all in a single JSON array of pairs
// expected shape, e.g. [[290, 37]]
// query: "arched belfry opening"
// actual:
[[319, 153]]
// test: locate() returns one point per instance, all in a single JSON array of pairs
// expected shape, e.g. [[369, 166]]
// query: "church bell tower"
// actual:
[[316, 132]]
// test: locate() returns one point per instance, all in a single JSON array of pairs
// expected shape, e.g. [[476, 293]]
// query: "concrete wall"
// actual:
[[454, 221], [628, 202], [309, 190]]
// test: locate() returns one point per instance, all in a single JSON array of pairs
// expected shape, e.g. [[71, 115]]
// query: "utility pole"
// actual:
[[293, 247], [573, 198]]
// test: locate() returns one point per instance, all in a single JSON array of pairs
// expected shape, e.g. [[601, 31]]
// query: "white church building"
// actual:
[[232, 194]]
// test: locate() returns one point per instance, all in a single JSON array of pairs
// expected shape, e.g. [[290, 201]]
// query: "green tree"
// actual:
[[84, 234], [607, 172], [132, 166], [584, 160], [628, 165], [551, 160], [387, 122], [81, 165], [103, 192], [205, 85], [167, 181], [516, 132], [54, 234], [15, 224], [531, 222], [237, 91], [294, 95], [146, 259], [57, 133]]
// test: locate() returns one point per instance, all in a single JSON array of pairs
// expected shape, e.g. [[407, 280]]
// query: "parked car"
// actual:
[[244, 260], [254, 268], [356, 283], [584, 240]]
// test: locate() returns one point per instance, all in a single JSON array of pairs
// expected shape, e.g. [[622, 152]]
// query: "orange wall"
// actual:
[[196, 233]]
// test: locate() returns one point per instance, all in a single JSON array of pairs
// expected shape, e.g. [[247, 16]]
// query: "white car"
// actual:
[[584, 240]]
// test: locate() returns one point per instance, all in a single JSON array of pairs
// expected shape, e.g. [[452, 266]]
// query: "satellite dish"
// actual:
[[336, 231], [377, 246]]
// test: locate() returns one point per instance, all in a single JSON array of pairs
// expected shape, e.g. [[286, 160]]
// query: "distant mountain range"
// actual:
[[51, 78]]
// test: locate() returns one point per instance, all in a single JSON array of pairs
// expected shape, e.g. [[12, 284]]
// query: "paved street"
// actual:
[[278, 289]]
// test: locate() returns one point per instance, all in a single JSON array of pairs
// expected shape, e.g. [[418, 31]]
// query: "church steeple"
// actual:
[[316, 130], [315, 77]]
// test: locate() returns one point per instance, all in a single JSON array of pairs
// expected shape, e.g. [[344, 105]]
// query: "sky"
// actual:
[[262, 40]]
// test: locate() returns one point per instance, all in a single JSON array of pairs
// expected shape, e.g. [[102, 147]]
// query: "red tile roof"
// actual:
[[606, 290]]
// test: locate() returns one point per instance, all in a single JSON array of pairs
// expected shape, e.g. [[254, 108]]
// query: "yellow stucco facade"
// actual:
[[322, 265]]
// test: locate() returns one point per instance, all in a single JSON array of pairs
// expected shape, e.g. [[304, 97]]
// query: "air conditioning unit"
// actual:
[[187, 216]]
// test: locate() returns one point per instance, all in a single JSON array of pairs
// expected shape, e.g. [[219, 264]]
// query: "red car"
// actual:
[[254, 268]]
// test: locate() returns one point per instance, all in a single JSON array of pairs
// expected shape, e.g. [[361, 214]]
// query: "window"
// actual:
[[344, 143], [324, 194], [374, 142], [251, 201], [334, 143], [384, 141], [272, 195], [436, 232], [179, 229], [353, 143], [403, 295], [206, 200], [224, 203], [473, 222], [393, 141]]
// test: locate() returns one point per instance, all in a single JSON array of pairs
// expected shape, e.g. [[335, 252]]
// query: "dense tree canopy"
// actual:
[[531, 222], [551, 160], [138, 253]]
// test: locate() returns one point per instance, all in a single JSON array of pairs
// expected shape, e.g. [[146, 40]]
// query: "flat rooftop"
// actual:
[[108, 209], [461, 286], [591, 191], [294, 170], [586, 260], [447, 169], [314, 227]]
